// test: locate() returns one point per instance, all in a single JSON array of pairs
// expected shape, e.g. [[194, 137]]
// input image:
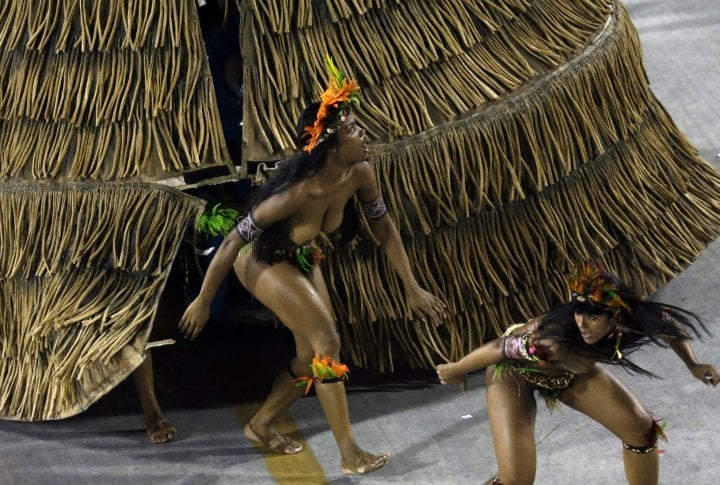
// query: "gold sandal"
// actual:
[[277, 442], [366, 463]]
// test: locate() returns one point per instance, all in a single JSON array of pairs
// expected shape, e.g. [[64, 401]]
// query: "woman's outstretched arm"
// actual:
[[704, 372], [422, 303], [198, 312], [484, 356]]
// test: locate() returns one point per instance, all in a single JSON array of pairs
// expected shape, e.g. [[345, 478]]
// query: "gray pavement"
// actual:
[[436, 434]]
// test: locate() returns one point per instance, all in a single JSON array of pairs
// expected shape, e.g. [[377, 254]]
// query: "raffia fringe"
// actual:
[[425, 55], [508, 201], [149, 148], [531, 140], [507, 264], [79, 289], [128, 95], [63, 25]]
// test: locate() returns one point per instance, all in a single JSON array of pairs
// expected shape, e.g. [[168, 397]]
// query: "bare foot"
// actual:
[[272, 440], [365, 463], [160, 430]]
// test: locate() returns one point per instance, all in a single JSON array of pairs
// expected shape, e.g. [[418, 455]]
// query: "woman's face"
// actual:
[[593, 327], [352, 143]]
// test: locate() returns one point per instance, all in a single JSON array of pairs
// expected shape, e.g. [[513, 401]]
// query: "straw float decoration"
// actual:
[[511, 139]]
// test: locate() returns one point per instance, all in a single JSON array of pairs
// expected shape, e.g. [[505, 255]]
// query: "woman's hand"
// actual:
[[194, 319], [706, 373], [424, 304], [450, 374]]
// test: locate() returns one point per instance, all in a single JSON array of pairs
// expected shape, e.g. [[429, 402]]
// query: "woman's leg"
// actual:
[[303, 305], [159, 429], [512, 409], [602, 397], [285, 392]]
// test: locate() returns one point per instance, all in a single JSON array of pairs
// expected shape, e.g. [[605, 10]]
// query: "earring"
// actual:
[[618, 335]]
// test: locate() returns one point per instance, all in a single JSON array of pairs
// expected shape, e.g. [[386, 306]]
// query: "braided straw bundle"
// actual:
[[106, 91], [82, 267], [530, 142]]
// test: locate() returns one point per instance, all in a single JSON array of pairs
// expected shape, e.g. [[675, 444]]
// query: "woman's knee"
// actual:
[[641, 433], [326, 343]]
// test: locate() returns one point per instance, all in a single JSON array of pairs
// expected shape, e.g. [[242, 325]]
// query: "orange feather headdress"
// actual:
[[341, 94], [589, 283]]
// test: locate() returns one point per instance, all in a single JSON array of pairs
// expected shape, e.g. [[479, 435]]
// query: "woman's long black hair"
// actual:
[[641, 323], [289, 173]]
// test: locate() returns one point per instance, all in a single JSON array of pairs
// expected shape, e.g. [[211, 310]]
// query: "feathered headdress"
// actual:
[[341, 94], [589, 283]]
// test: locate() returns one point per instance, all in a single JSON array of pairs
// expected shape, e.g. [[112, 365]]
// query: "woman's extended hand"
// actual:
[[450, 374], [706, 373], [424, 304], [194, 319]]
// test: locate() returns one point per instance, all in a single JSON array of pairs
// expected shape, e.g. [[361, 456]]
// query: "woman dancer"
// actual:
[[275, 258], [558, 354]]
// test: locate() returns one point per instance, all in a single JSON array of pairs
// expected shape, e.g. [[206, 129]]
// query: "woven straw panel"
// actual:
[[115, 90], [82, 267]]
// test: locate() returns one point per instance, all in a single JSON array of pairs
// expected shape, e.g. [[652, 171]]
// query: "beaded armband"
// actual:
[[517, 347], [248, 229], [375, 209]]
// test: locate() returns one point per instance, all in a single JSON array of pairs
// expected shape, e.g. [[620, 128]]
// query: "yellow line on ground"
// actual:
[[301, 468]]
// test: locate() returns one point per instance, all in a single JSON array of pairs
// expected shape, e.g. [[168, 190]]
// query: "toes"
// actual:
[[161, 431], [367, 463]]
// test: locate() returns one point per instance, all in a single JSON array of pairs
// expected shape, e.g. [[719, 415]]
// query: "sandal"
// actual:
[[277, 442], [366, 463]]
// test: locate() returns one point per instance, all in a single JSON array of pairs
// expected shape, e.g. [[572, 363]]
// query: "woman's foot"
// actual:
[[273, 440], [159, 430], [364, 463]]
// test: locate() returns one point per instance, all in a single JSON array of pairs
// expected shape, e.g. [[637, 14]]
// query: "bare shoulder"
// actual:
[[529, 326], [362, 172], [365, 181], [532, 324], [280, 205]]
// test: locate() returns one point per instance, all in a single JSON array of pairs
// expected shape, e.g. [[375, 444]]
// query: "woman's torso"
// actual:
[[557, 358], [322, 208]]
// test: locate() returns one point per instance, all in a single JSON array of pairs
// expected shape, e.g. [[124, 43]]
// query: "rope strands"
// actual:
[[432, 61], [80, 287], [510, 139], [106, 91]]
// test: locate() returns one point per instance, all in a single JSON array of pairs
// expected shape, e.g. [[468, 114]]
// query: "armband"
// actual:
[[516, 347], [248, 229], [375, 209]]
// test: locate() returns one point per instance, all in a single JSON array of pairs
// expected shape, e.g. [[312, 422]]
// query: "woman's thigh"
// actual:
[[292, 297], [602, 397], [318, 282], [512, 410]]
